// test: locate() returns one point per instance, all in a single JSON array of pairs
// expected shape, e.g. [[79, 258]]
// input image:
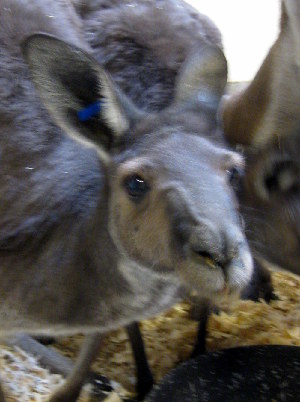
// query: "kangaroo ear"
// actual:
[[203, 78], [78, 93]]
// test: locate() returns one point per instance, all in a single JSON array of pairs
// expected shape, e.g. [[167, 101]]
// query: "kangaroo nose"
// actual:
[[207, 243], [216, 246]]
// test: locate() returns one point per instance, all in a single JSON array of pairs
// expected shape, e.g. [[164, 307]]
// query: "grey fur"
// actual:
[[145, 42], [66, 265]]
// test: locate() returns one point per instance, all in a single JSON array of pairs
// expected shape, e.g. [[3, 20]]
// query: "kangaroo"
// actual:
[[120, 199], [264, 118]]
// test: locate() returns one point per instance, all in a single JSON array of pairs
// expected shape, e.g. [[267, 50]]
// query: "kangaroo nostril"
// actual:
[[203, 254], [207, 258], [207, 245]]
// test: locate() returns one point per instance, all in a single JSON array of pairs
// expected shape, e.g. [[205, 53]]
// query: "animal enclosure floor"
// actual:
[[169, 340]]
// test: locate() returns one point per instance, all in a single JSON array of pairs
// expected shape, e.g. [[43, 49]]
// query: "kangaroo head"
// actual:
[[270, 195], [171, 205]]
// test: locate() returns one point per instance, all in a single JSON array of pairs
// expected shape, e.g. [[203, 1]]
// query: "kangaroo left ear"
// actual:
[[78, 93], [203, 78]]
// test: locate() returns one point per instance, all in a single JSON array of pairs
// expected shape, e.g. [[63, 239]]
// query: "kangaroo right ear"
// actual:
[[78, 93], [202, 78]]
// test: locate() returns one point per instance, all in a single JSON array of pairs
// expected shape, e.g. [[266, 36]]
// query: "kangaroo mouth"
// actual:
[[213, 279], [206, 259]]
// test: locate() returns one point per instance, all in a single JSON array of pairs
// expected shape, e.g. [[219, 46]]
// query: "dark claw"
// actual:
[[100, 383], [261, 286]]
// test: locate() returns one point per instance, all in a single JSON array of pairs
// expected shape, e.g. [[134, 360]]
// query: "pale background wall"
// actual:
[[249, 27]]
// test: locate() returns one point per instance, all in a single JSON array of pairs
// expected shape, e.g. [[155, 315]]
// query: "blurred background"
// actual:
[[249, 27]]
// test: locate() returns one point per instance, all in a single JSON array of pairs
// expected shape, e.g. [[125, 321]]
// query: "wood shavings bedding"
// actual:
[[169, 340], [20, 372]]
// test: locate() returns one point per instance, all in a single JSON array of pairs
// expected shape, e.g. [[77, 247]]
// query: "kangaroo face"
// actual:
[[264, 118], [271, 203], [173, 210], [171, 205]]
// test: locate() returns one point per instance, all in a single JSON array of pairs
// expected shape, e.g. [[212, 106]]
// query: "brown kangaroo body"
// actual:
[[265, 119], [110, 223]]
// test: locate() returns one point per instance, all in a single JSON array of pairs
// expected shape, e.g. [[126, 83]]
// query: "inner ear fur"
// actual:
[[203, 77], [69, 80]]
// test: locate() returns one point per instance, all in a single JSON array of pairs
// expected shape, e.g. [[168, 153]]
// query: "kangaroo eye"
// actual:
[[136, 186], [234, 174]]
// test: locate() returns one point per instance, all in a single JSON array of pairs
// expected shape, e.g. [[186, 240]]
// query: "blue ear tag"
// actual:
[[89, 111]]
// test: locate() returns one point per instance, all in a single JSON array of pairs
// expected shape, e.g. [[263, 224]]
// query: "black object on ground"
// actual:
[[244, 374]]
